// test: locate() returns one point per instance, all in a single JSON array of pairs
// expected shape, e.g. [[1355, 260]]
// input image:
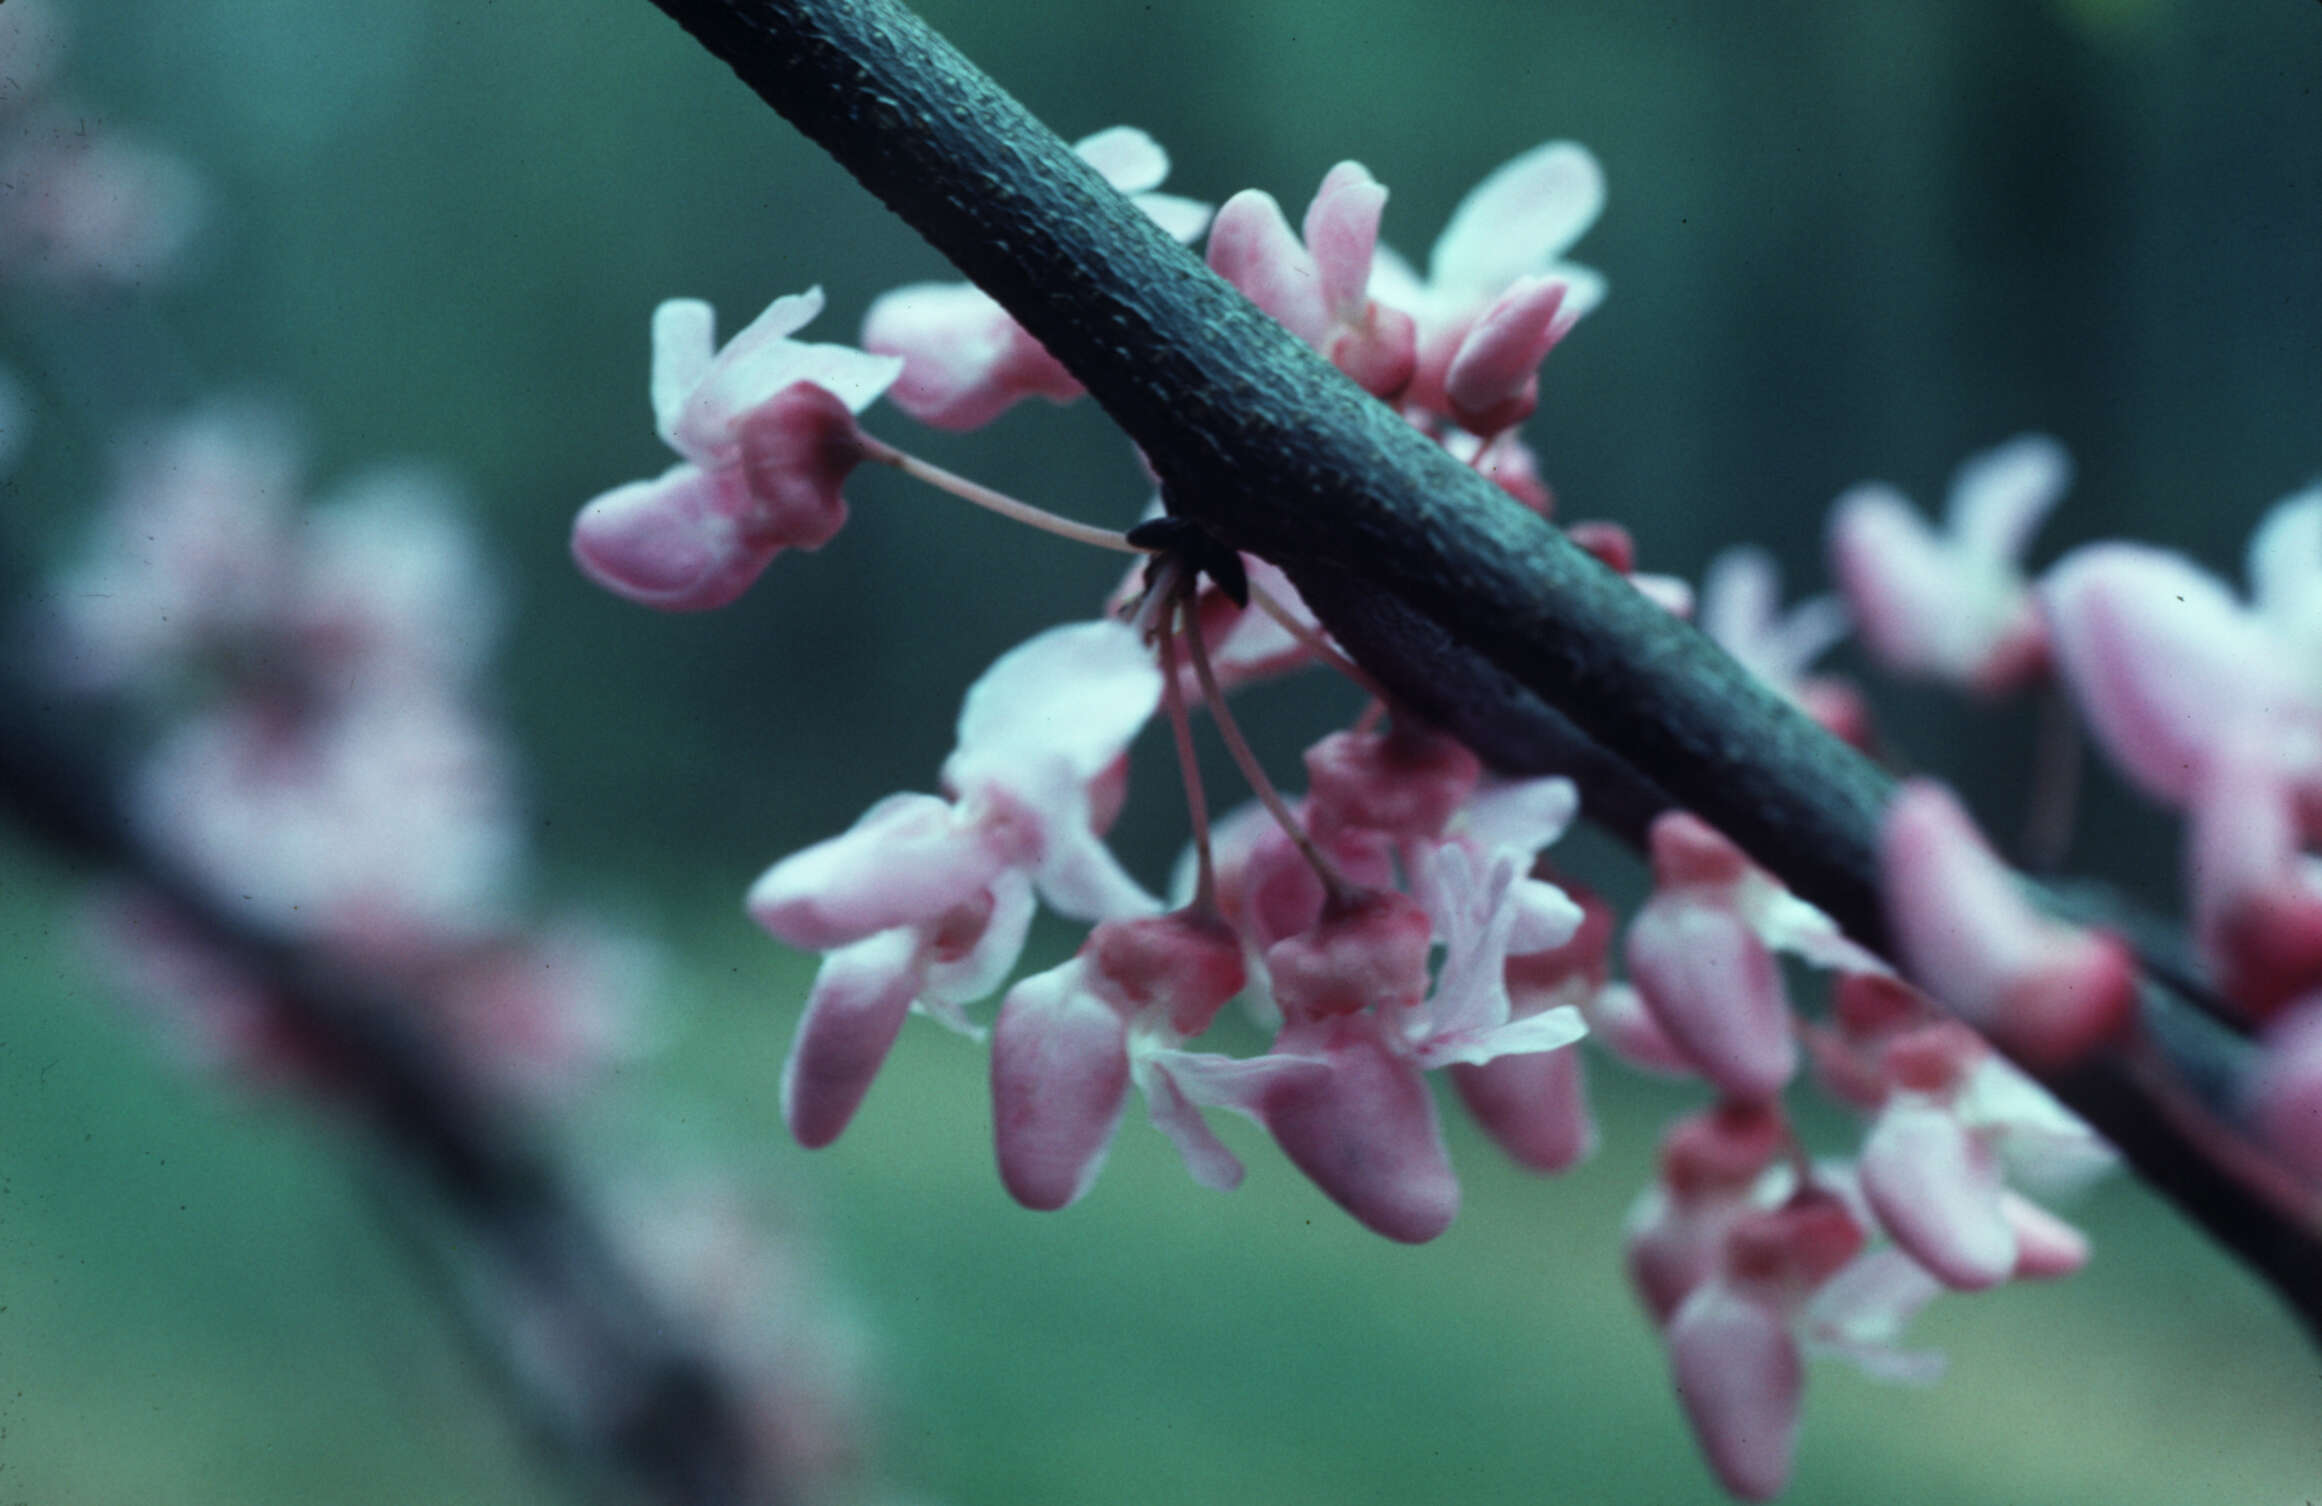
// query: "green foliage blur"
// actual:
[[1844, 241]]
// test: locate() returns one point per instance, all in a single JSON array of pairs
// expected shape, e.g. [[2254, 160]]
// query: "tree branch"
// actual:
[[640, 1399], [1474, 611]]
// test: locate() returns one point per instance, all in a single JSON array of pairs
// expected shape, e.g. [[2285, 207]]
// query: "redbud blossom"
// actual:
[[1740, 609], [766, 426], [965, 359], [1062, 1051], [1320, 290], [2286, 1095], [1953, 606], [926, 900], [2166, 666], [2042, 989], [1517, 223], [1702, 954]]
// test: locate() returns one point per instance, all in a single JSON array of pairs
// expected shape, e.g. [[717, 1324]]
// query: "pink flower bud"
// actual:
[[1740, 1377], [1713, 987], [2257, 909], [1493, 382], [674, 544], [2286, 1098], [1187, 964], [965, 359], [1364, 1130], [1060, 1078], [1936, 1189], [2046, 1246], [1535, 1105], [2040, 988]]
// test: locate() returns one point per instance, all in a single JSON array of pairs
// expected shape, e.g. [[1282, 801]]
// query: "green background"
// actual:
[[1844, 241]]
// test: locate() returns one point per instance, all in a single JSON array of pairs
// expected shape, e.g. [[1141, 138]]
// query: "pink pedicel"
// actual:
[[1953, 605], [766, 428], [2044, 990]]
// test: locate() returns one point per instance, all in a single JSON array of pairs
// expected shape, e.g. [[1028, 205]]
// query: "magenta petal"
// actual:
[[1535, 1105], [1364, 1131], [1060, 1076], [1715, 991], [858, 1004], [1740, 1377], [1936, 1189], [672, 543]]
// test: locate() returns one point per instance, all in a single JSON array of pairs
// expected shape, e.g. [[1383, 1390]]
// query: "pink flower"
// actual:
[[766, 428], [1953, 606], [925, 901], [1702, 954], [91, 209], [1740, 609], [1501, 248], [2257, 896], [386, 822], [2040, 988], [192, 554], [2286, 1093], [1790, 1280], [1069, 1041], [965, 359], [2167, 667], [1320, 290]]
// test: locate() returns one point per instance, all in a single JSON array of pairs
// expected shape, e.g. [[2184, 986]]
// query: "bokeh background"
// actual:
[[1844, 241]]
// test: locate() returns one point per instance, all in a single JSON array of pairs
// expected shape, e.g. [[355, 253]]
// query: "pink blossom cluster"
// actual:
[[1400, 917], [316, 754], [88, 205]]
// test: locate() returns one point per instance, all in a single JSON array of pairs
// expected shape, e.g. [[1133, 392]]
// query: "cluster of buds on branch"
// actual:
[[1400, 916]]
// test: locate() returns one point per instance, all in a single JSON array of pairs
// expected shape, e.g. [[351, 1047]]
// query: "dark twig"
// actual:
[[1470, 609]]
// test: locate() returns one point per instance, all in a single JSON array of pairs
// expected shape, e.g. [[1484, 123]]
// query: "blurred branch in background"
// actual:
[[599, 1366]]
